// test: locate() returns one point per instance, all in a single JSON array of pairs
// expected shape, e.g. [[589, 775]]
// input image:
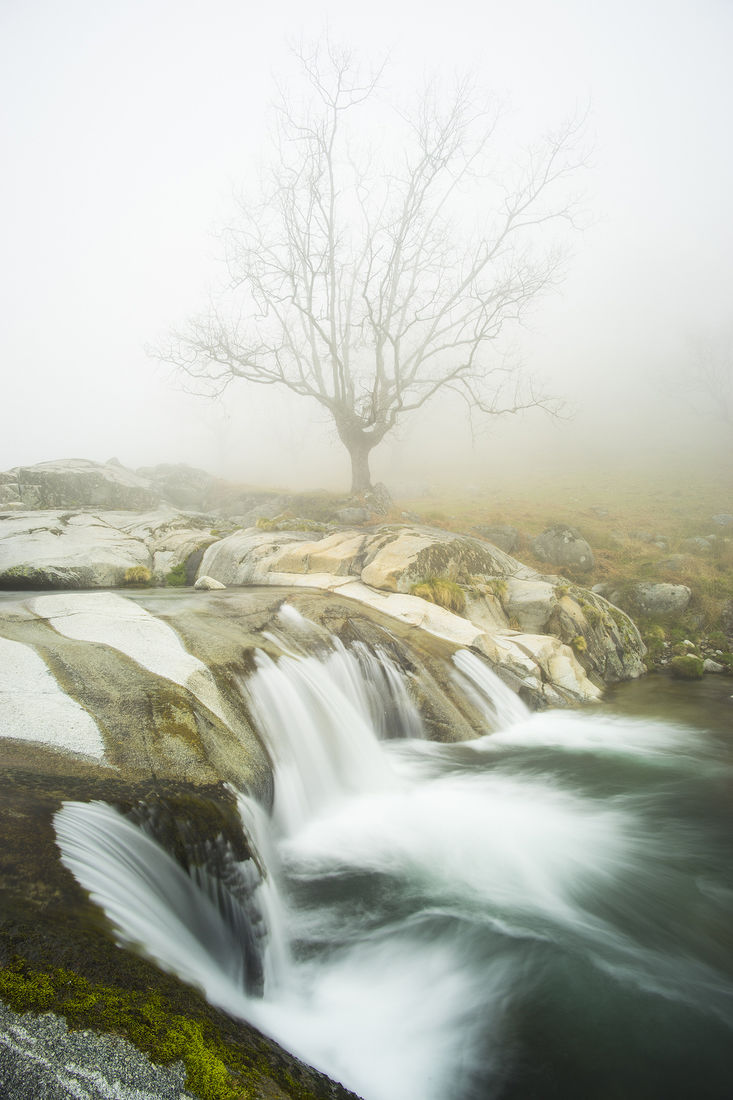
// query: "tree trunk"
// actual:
[[361, 480]]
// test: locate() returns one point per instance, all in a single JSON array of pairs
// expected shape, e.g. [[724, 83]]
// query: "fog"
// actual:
[[126, 128]]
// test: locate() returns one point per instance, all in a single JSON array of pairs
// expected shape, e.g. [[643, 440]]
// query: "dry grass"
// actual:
[[635, 521], [444, 592]]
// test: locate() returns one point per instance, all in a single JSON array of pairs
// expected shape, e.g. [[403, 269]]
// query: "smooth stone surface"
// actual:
[[378, 567], [208, 584], [33, 706], [54, 549]]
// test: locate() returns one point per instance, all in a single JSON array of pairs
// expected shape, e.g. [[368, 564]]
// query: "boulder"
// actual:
[[208, 584], [501, 535], [66, 550], [565, 547], [696, 545], [530, 603], [656, 598], [353, 516], [380, 566], [79, 483], [182, 486], [723, 519], [9, 495], [54, 549], [675, 563], [604, 637], [378, 499], [181, 546]]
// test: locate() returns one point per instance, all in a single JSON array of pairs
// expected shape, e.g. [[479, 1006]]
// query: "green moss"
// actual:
[[593, 616], [686, 668], [213, 1071], [138, 575], [286, 522], [441, 591], [579, 644], [24, 576]]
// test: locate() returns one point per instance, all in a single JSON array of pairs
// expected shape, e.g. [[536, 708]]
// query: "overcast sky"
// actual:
[[125, 127]]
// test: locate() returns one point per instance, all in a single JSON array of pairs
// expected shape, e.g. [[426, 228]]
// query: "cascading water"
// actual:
[[543, 912]]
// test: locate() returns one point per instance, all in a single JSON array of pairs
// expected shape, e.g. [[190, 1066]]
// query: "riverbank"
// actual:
[[672, 526]]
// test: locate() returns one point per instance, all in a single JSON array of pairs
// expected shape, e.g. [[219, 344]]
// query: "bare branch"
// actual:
[[363, 285]]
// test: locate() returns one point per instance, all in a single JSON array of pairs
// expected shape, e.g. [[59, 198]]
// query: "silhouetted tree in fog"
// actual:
[[369, 281]]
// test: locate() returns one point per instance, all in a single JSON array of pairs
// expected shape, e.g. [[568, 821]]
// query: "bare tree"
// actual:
[[708, 377], [370, 288]]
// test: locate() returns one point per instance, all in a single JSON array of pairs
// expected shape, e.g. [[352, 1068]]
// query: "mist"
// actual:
[[127, 129]]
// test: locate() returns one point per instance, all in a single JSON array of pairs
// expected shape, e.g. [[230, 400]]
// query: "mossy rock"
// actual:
[[216, 1069], [686, 668], [58, 952]]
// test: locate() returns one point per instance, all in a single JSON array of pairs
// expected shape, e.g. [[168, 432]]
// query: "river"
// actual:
[[544, 912]]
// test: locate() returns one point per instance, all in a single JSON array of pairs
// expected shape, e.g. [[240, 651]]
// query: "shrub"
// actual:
[[498, 586], [654, 639], [138, 575], [579, 644], [176, 578], [686, 668], [441, 591]]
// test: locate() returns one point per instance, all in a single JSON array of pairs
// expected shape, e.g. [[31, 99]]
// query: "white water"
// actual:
[[499, 705], [418, 896]]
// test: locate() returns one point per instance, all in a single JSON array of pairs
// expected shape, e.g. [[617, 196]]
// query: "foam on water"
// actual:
[[412, 910]]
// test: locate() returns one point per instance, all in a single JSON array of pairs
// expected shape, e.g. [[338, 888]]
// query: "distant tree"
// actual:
[[370, 281], [708, 377]]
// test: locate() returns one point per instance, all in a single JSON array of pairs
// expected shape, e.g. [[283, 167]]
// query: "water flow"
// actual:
[[499, 705], [543, 912]]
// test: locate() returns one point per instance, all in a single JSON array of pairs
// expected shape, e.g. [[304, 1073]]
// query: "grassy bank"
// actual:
[[637, 524]]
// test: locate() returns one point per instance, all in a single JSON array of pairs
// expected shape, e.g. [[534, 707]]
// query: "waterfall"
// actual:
[[544, 911], [499, 705]]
